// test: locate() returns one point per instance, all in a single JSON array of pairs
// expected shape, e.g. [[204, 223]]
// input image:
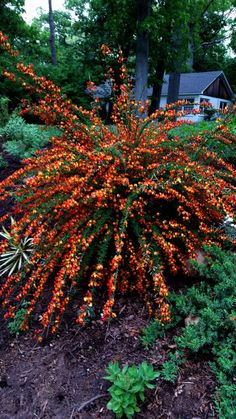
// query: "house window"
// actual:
[[223, 104], [204, 103], [190, 105]]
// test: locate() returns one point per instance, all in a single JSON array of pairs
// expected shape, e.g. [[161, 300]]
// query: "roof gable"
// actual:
[[219, 88], [197, 83]]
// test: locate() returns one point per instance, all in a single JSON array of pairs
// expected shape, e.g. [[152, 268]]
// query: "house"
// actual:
[[208, 86]]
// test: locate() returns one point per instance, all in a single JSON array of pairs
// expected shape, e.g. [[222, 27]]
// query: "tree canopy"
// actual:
[[156, 36]]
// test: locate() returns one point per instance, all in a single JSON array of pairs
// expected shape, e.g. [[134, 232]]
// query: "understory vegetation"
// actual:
[[23, 140], [208, 312], [112, 210]]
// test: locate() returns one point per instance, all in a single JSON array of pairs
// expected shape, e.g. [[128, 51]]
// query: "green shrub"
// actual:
[[211, 330], [225, 401], [186, 130], [157, 330], [128, 386], [211, 134], [151, 333], [209, 311], [169, 370], [22, 139], [14, 325]]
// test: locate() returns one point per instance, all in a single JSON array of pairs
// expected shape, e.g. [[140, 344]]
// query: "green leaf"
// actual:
[[130, 410], [142, 397], [149, 385], [137, 387]]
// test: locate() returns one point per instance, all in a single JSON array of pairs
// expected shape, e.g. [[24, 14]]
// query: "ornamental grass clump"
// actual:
[[113, 209]]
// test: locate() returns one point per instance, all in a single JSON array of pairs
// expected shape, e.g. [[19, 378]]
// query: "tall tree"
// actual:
[[148, 27], [142, 51], [52, 34], [182, 37], [168, 43], [13, 25], [11, 20]]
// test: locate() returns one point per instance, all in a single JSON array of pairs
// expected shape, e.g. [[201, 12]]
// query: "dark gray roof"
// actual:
[[192, 83]]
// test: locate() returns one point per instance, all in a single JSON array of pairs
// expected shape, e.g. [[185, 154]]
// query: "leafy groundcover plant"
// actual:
[[209, 311], [128, 386], [214, 304], [23, 140], [110, 208]]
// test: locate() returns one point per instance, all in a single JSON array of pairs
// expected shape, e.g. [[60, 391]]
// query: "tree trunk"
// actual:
[[189, 61], [157, 86], [52, 34], [173, 87], [174, 77], [142, 52]]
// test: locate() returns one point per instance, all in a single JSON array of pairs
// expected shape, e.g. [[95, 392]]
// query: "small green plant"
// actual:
[[170, 367], [156, 330], [14, 325], [128, 386], [151, 333], [18, 252], [169, 371]]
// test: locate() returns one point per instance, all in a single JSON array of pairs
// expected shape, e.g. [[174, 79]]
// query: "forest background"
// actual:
[[155, 37]]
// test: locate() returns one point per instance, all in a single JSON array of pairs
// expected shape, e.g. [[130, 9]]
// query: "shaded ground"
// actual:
[[56, 379], [13, 163], [63, 379]]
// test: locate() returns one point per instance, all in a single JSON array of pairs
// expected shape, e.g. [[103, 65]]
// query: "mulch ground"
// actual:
[[63, 378]]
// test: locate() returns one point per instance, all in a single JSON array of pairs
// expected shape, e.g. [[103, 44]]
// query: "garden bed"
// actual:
[[57, 379], [63, 377]]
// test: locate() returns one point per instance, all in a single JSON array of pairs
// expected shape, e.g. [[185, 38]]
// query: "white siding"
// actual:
[[196, 118], [163, 101]]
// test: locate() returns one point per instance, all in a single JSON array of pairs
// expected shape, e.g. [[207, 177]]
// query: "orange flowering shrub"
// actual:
[[113, 208]]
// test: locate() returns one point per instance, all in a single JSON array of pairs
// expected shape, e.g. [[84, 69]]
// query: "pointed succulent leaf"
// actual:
[[13, 268]]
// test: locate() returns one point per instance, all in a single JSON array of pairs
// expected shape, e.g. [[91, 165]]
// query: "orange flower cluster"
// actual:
[[6, 45], [111, 207]]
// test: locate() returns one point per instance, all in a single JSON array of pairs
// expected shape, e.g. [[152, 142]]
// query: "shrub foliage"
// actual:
[[111, 207], [214, 304], [208, 310], [23, 140]]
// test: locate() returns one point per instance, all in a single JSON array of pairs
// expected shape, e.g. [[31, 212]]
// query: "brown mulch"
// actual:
[[63, 378]]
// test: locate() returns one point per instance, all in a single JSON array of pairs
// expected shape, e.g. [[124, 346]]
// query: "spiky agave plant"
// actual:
[[18, 252]]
